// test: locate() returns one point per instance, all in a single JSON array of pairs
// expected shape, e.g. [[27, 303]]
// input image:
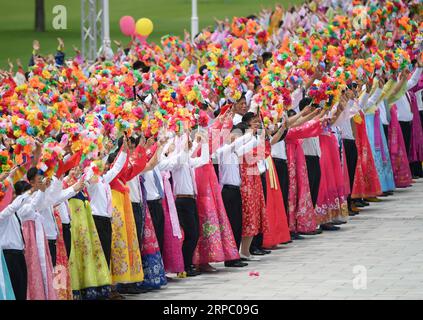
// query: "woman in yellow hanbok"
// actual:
[[126, 264]]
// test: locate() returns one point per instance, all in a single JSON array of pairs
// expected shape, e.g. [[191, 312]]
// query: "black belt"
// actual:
[[279, 160], [230, 186], [101, 218], [13, 251], [155, 201]]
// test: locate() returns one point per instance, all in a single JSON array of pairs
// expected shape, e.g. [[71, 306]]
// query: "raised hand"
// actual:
[[79, 185], [36, 45], [61, 43]]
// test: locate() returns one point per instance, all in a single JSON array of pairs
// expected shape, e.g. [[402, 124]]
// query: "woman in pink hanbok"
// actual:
[[398, 153], [302, 216], [216, 242], [416, 150], [172, 242]]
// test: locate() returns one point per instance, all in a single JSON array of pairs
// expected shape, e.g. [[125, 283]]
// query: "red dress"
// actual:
[[332, 199], [254, 218], [366, 179], [302, 216], [278, 224]]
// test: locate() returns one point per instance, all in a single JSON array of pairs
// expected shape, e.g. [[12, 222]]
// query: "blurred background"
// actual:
[[17, 21]]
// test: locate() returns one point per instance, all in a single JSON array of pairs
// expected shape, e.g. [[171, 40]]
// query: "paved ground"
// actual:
[[384, 243]]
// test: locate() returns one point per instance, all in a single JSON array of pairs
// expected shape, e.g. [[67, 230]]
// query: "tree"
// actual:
[[40, 25]]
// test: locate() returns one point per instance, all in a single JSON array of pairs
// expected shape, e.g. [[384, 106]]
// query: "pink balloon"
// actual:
[[127, 25]]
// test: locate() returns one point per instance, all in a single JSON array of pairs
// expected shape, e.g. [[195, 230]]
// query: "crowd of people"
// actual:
[[157, 161]]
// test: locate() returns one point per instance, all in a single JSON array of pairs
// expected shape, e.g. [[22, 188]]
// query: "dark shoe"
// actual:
[[265, 251], [192, 272], [235, 264], [352, 214], [311, 233], [296, 236], [338, 222], [361, 203], [329, 227], [132, 291], [257, 252]]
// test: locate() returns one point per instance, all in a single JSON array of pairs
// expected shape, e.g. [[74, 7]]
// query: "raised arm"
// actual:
[[116, 168], [310, 129], [203, 158]]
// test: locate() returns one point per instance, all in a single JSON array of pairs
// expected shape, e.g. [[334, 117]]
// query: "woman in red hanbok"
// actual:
[[61, 281], [278, 224], [332, 199], [254, 218], [366, 180]]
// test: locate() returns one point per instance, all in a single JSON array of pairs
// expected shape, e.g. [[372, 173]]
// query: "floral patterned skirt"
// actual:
[[61, 281], [216, 242], [90, 276], [254, 218], [152, 263], [126, 264], [366, 179]]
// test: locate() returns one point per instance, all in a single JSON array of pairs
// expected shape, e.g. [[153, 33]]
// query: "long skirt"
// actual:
[[366, 179], [216, 242], [126, 264], [6, 290], [278, 223], [173, 259], [416, 148], [152, 263], [398, 152], [380, 151], [62, 281], [332, 197], [38, 262], [254, 218], [302, 216], [90, 275]]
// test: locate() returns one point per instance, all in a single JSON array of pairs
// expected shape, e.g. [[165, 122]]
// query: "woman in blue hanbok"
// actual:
[[378, 143]]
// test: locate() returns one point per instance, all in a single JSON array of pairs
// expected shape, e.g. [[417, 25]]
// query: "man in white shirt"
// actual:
[[184, 189], [100, 195], [278, 153], [229, 177]]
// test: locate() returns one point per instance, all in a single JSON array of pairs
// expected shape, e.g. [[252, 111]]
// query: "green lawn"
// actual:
[[168, 16]]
